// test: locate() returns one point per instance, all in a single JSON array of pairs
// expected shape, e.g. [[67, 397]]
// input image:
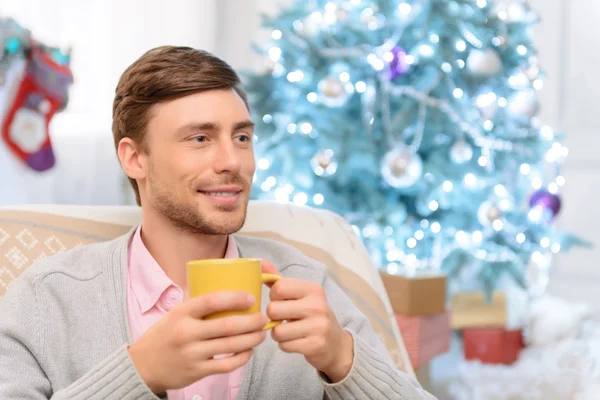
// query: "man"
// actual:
[[112, 320]]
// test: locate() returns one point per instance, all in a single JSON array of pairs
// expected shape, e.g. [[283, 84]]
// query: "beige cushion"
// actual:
[[28, 233]]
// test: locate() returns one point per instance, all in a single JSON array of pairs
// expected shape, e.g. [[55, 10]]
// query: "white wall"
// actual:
[[567, 41]]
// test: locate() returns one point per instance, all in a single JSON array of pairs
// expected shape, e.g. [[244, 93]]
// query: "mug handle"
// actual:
[[266, 278]]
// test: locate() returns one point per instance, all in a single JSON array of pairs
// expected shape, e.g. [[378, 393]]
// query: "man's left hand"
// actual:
[[311, 328]]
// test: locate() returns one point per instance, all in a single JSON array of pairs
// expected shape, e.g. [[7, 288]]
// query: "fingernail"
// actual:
[[250, 299]]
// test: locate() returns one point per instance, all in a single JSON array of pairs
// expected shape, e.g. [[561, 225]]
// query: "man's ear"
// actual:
[[132, 159]]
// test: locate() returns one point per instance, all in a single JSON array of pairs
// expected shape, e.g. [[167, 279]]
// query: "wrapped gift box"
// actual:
[[492, 345], [471, 310], [425, 336], [423, 294]]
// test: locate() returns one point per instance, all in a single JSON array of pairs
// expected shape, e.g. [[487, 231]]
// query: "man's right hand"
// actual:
[[178, 350]]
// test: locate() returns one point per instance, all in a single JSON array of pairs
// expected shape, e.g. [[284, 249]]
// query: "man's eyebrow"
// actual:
[[211, 126], [243, 124], [198, 126]]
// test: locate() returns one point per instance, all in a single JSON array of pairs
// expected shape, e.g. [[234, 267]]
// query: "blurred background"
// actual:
[[104, 37]]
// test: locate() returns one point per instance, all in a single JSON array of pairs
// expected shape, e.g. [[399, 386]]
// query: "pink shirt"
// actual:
[[150, 295]]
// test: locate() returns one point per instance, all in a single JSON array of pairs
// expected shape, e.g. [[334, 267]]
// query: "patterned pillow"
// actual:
[[32, 233]]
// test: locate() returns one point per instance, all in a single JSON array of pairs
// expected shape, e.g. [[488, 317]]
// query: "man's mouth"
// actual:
[[220, 194], [226, 196]]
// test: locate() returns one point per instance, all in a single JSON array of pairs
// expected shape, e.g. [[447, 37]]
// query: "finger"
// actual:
[[230, 326], [269, 268], [201, 306], [302, 346], [232, 344], [293, 330], [281, 310], [293, 289], [228, 364]]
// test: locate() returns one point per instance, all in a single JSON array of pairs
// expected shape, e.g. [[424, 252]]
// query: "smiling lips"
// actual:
[[227, 196]]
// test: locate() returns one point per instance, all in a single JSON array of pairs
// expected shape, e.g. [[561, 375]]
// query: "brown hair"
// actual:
[[162, 74]]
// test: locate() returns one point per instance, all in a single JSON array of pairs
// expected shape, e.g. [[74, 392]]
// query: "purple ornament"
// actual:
[[398, 66], [546, 200]]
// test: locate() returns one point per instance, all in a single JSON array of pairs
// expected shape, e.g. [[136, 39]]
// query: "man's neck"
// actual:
[[172, 247]]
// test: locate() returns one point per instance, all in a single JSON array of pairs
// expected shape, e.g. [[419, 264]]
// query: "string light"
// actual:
[[498, 225], [276, 34], [306, 128], [360, 86], [470, 180], [500, 190], [275, 53], [263, 164], [300, 199], [448, 186], [525, 169]]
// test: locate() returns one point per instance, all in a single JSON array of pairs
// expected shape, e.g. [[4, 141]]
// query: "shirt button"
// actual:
[[174, 294], [197, 397]]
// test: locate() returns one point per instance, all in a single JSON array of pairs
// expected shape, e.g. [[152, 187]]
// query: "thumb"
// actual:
[[269, 268]]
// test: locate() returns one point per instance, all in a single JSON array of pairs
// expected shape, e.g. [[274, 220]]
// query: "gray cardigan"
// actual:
[[64, 334]]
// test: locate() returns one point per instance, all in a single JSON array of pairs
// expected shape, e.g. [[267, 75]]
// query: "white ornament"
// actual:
[[523, 104], [44, 106], [484, 63], [401, 168], [28, 130], [461, 152], [334, 92]]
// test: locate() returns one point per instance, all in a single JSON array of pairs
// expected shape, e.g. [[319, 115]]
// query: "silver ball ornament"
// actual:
[[523, 104], [484, 63], [324, 163], [461, 152], [401, 168], [488, 212], [334, 92]]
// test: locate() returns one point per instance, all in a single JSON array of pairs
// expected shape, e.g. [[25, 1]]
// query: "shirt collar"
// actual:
[[147, 279]]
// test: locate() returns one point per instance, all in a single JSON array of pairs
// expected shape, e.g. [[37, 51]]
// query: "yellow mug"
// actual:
[[229, 274]]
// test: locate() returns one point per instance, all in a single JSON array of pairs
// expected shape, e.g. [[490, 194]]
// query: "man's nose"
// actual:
[[227, 158]]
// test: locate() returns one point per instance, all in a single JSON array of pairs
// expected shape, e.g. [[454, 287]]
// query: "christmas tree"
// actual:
[[417, 121]]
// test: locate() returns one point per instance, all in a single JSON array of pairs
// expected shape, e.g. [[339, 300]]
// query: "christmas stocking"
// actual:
[[40, 94]]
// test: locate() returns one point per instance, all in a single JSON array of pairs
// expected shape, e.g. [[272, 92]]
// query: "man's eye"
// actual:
[[199, 139]]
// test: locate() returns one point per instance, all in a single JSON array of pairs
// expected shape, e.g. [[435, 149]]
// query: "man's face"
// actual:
[[200, 162]]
